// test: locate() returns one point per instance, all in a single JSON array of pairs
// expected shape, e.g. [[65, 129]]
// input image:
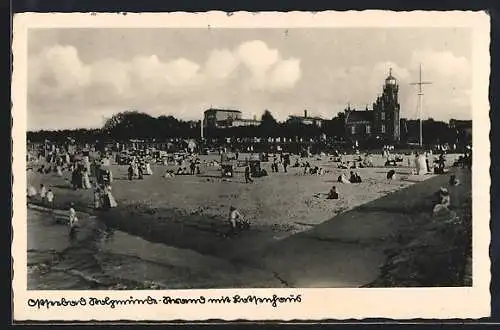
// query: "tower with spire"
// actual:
[[387, 110]]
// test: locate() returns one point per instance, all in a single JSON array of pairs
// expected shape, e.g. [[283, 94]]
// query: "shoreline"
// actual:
[[374, 249]]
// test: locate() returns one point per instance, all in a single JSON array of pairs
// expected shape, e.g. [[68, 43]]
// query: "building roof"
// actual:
[[246, 119], [224, 110], [302, 117], [353, 116], [461, 123]]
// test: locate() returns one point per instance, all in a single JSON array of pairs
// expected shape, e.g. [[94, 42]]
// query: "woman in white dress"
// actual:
[[43, 191], [109, 200], [59, 170], [148, 169], [31, 191], [135, 168], [85, 179]]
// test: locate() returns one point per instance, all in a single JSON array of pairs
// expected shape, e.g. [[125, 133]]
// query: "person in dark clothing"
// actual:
[[333, 193], [247, 174], [192, 167], [352, 177], [130, 172], [141, 172], [391, 175]]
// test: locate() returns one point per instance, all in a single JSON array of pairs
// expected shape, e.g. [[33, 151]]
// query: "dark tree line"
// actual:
[[137, 125]]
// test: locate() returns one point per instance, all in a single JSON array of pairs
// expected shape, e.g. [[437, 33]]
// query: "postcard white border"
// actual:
[[316, 304]]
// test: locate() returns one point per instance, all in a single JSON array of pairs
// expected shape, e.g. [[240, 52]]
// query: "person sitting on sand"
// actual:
[[343, 179], [443, 201], [358, 177], [169, 174], [391, 175], [43, 191], [454, 181], [332, 194]]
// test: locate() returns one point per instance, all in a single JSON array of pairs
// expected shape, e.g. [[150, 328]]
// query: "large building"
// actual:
[[215, 118], [382, 121], [224, 118], [306, 120]]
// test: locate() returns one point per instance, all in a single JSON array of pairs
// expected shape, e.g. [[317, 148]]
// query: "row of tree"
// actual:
[[137, 125]]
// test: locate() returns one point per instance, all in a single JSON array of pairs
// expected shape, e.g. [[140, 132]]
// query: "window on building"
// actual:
[[368, 129], [382, 115], [383, 128], [353, 129]]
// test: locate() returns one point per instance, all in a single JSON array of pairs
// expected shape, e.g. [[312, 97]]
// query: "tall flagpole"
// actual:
[[420, 83]]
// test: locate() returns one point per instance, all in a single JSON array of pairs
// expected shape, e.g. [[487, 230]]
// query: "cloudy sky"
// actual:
[[79, 77]]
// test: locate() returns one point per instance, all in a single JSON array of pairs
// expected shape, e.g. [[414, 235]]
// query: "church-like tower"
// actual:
[[386, 111]]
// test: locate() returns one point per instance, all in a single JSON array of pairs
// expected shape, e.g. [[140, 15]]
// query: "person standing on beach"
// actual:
[[43, 191], [97, 197], [50, 198], [73, 221], [109, 200], [248, 179], [130, 172], [85, 179]]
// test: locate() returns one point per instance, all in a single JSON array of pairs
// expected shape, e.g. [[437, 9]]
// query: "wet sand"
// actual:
[[180, 221]]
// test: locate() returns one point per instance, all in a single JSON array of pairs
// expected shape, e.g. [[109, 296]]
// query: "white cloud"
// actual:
[[57, 72], [59, 79], [221, 64], [285, 74], [257, 56]]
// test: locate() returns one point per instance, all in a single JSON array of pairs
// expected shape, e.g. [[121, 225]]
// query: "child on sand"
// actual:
[[43, 191], [31, 191], [236, 220], [443, 202], [73, 221], [454, 181], [50, 198]]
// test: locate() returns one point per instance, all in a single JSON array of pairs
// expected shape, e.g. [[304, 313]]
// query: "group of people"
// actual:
[[138, 168], [354, 177], [284, 161], [45, 195]]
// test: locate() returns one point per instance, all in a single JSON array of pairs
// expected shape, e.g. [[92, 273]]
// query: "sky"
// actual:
[[79, 77]]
